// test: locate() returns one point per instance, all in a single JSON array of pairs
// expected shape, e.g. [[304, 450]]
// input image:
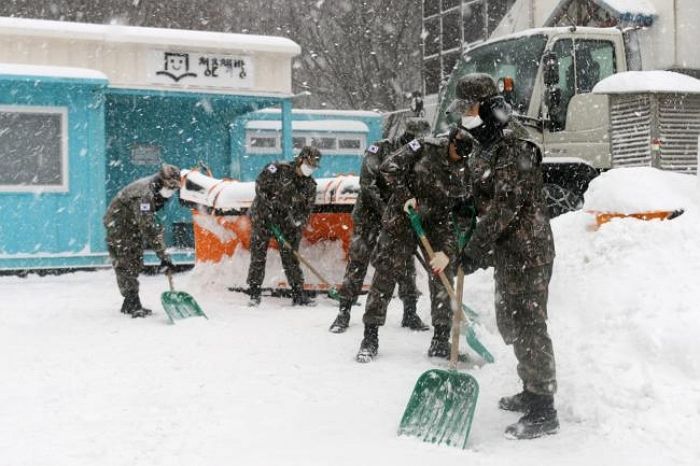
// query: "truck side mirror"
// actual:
[[553, 101], [550, 68]]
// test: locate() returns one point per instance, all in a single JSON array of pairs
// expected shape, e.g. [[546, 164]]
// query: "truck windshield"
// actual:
[[516, 58]]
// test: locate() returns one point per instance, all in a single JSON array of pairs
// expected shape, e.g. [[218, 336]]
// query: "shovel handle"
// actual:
[[170, 280]]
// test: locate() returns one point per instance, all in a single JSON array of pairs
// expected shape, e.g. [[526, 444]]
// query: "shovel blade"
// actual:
[[441, 408], [179, 305]]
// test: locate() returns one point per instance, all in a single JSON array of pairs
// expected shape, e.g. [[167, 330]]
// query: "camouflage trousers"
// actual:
[[366, 230], [395, 249], [521, 315], [258, 256], [126, 253]]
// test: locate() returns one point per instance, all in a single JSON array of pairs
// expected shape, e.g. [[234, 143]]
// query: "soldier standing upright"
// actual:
[[427, 175], [284, 195], [130, 222], [513, 234], [367, 221]]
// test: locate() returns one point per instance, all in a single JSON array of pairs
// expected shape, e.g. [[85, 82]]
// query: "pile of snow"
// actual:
[[648, 82], [84, 385]]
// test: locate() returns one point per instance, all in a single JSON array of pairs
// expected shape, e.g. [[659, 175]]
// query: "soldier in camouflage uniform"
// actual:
[[130, 222], [284, 195], [514, 236], [428, 175], [367, 220]]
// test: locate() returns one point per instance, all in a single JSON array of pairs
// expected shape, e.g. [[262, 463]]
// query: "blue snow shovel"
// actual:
[[332, 292], [179, 305]]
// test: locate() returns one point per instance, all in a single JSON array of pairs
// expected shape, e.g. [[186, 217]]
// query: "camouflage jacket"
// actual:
[[374, 191], [506, 184], [282, 197], [131, 216], [422, 169]]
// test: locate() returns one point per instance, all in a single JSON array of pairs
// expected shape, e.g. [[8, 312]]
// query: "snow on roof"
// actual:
[[641, 189], [51, 72], [313, 111], [142, 35], [648, 81], [630, 7], [342, 126]]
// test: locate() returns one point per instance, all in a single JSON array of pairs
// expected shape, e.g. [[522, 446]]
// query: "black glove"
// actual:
[[462, 140], [166, 266]]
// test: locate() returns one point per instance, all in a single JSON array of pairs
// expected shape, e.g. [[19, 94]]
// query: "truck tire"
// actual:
[[560, 200]]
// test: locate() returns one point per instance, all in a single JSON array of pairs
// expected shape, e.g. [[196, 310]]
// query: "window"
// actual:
[[353, 144], [431, 75], [431, 40], [447, 4], [262, 142], [473, 21], [497, 9], [33, 148], [430, 7], [448, 63], [451, 30], [298, 142], [322, 143]]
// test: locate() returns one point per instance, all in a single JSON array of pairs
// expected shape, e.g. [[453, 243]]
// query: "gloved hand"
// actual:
[[439, 262], [462, 140], [412, 203], [166, 266]]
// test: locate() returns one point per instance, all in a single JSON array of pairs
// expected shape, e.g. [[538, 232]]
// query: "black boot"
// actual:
[[370, 344], [411, 319], [341, 322], [130, 304], [140, 311], [254, 293], [520, 402], [540, 420], [440, 346], [300, 297]]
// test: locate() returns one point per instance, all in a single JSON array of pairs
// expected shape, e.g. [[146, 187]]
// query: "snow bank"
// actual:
[[641, 189]]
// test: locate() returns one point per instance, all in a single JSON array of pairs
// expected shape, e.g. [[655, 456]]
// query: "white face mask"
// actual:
[[166, 192], [306, 169], [471, 122]]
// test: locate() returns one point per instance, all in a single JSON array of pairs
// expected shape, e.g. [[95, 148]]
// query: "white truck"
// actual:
[[547, 74]]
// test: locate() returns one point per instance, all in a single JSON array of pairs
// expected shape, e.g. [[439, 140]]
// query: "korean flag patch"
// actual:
[[414, 145], [373, 149], [272, 168], [145, 207]]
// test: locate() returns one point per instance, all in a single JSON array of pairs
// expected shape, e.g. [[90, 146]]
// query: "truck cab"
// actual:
[[547, 76]]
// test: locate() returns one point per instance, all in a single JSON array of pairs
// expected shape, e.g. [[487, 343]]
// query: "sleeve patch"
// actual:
[[373, 149], [272, 168], [414, 145], [145, 207]]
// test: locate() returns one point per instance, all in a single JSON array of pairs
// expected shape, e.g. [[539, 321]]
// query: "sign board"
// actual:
[[145, 154], [199, 69]]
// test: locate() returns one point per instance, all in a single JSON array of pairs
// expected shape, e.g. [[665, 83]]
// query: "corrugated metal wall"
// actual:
[[679, 127], [630, 120]]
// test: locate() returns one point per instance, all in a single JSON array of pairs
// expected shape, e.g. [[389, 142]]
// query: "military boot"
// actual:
[[411, 319], [140, 311], [341, 322], [300, 297], [130, 304], [540, 420], [254, 293], [370, 344], [520, 402], [440, 346]]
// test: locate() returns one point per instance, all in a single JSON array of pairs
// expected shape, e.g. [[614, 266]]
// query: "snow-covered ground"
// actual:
[[84, 385]]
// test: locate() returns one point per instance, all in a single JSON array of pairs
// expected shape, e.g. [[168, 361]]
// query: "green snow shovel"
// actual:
[[178, 304], [332, 292], [441, 407]]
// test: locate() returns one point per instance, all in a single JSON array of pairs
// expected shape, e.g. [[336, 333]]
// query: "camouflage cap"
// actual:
[[169, 176], [310, 154], [476, 87], [417, 127]]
